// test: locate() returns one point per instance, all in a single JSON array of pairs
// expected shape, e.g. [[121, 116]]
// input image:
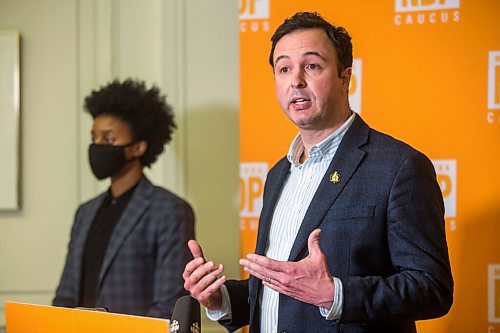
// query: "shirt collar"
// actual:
[[323, 149], [122, 198]]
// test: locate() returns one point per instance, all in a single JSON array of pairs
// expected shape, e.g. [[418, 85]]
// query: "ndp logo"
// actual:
[[252, 179], [494, 80], [254, 9], [355, 86], [446, 173], [493, 87], [420, 5], [426, 11], [254, 15], [494, 293]]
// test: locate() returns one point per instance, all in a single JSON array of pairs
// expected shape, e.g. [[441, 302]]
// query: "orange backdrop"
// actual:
[[426, 72]]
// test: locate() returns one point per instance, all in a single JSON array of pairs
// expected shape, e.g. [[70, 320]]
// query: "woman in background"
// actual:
[[128, 245]]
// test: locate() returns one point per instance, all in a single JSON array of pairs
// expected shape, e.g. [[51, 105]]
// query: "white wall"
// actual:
[[189, 48], [32, 241]]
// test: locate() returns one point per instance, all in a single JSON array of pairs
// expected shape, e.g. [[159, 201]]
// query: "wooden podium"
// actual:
[[31, 318]]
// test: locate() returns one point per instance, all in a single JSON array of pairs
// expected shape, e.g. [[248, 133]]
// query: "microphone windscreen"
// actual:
[[186, 317]]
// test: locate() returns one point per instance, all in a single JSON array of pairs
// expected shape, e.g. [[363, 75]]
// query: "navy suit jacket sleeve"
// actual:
[[418, 283], [240, 307]]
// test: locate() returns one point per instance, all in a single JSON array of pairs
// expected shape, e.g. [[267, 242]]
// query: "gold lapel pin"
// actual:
[[335, 177]]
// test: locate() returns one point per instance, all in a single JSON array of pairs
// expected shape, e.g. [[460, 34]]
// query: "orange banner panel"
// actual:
[[426, 72]]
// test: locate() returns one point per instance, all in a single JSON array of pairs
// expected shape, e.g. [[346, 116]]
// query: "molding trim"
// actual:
[[100, 47], [95, 51], [173, 32]]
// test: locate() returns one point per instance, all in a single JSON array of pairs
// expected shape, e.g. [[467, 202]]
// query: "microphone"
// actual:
[[186, 317]]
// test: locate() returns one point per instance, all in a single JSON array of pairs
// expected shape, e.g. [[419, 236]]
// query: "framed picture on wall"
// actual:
[[10, 160]]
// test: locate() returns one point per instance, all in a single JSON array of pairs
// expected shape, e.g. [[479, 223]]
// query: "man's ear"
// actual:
[[140, 148], [345, 76]]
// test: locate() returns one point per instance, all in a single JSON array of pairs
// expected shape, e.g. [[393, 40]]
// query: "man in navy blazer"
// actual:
[[351, 235], [128, 245]]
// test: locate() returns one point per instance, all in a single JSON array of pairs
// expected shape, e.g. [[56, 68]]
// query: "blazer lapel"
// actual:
[[274, 183], [344, 163], [87, 219], [274, 187], [129, 218]]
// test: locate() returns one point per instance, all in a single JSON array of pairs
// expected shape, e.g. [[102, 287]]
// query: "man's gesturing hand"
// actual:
[[307, 280], [203, 279]]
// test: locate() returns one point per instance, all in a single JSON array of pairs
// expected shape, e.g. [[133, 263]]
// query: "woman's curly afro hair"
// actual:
[[146, 112]]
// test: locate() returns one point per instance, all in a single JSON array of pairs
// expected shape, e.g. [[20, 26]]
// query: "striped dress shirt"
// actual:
[[297, 194]]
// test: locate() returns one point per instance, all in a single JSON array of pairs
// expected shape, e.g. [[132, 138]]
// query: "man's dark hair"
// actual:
[[146, 112], [306, 20]]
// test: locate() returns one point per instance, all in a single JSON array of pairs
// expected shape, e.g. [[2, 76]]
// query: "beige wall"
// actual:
[[187, 47]]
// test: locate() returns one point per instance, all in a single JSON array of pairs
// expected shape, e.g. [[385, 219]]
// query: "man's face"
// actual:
[[308, 87]]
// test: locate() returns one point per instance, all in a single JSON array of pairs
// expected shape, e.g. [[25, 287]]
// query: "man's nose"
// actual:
[[298, 80]]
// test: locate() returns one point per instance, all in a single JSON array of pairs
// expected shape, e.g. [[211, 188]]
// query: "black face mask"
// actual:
[[107, 160]]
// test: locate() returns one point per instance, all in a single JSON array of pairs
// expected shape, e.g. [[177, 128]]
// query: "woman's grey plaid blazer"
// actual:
[[142, 269]]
